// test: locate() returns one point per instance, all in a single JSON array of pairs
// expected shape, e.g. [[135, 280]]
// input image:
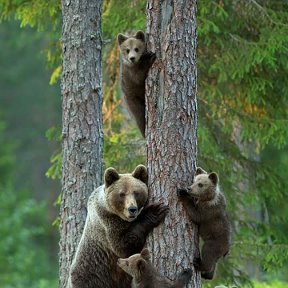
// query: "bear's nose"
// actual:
[[132, 210], [132, 59]]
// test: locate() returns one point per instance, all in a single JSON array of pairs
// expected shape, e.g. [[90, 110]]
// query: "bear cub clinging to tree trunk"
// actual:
[[117, 224], [206, 206], [145, 275], [135, 64]]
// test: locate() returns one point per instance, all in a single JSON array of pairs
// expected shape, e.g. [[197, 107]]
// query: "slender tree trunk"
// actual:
[[82, 120], [171, 129]]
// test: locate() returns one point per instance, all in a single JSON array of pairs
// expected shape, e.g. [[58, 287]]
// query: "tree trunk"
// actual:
[[171, 129], [82, 120]]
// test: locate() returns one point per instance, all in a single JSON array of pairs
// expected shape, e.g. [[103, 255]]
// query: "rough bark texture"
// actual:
[[171, 129], [82, 120]]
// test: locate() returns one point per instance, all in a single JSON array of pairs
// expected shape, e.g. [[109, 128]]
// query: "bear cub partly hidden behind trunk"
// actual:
[[145, 275]]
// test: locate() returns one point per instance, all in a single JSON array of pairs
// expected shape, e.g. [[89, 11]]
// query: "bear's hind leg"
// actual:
[[183, 279], [209, 257]]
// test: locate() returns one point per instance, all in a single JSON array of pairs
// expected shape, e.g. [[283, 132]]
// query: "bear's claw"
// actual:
[[181, 192], [149, 56], [197, 262], [156, 212]]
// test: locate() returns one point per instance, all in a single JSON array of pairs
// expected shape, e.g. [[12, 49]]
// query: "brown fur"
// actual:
[[206, 206], [145, 275], [113, 230], [134, 73]]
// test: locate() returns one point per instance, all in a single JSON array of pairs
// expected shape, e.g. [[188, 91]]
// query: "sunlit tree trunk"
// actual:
[[82, 120], [171, 129]]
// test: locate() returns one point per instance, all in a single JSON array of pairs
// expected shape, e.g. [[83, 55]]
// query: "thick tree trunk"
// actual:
[[82, 120], [171, 129]]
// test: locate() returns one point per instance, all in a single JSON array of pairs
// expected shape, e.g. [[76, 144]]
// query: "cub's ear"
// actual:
[[141, 266], [141, 173], [110, 176], [145, 254], [213, 177], [140, 35], [121, 38], [199, 170]]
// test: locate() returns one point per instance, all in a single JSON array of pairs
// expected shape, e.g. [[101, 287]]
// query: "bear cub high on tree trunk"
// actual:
[[135, 64], [206, 205], [145, 275]]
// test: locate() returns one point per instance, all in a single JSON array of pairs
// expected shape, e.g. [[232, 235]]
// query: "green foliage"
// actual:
[[241, 70], [44, 16], [123, 16], [23, 261], [55, 170], [274, 284], [121, 152], [35, 13], [7, 158], [242, 62]]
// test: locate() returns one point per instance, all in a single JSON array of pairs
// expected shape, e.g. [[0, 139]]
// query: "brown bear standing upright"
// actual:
[[135, 64], [145, 275], [116, 226], [206, 206]]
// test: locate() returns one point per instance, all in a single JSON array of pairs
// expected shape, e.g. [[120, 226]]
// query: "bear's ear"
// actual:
[[110, 176], [199, 170], [213, 177], [141, 265], [140, 173], [140, 35], [145, 254], [121, 38]]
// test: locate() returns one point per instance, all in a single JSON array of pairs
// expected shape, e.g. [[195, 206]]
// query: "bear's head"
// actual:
[[132, 48], [126, 194], [205, 186], [136, 264]]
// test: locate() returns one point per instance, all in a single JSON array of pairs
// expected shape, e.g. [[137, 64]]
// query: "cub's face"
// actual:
[[132, 48], [204, 185], [135, 265], [126, 194]]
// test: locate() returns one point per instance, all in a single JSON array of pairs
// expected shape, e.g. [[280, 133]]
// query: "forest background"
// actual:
[[242, 61]]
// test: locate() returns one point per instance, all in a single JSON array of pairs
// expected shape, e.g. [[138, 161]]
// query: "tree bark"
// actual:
[[82, 120], [171, 129]]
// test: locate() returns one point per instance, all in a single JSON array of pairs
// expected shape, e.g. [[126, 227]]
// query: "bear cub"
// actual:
[[206, 205], [145, 275], [135, 64], [117, 223]]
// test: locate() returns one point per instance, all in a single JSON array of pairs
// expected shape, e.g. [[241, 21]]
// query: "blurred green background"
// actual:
[[242, 60]]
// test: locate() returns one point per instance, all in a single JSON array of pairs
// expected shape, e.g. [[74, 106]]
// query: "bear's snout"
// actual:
[[133, 211]]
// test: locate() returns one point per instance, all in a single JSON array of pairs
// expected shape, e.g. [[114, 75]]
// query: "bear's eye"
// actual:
[[122, 194], [127, 51], [136, 193], [136, 49], [200, 185]]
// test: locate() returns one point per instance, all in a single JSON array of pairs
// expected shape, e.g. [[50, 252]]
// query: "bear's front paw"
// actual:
[[149, 56], [152, 57], [181, 192], [207, 275], [197, 262], [156, 213], [185, 276]]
